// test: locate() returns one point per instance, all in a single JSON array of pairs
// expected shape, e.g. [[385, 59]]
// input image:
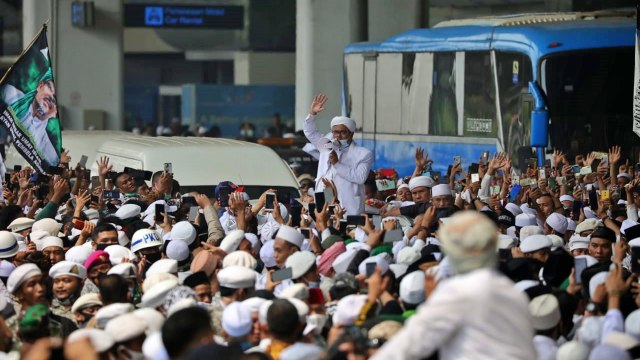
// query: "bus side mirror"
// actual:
[[539, 118]]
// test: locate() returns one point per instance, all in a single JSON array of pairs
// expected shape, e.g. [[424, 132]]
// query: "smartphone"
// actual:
[[355, 220], [553, 184], [575, 169], [83, 161], [270, 199], [604, 195], [168, 168], [95, 199], [42, 192], [392, 236], [384, 185], [370, 268], [494, 190], [593, 200], [475, 178], [542, 174], [635, 260], [331, 209], [586, 170], [17, 168], [533, 162], [343, 227], [7, 179], [456, 160], [319, 200], [55, 170], [159, 211], [189, 200], [312, 211], [282, 274], [575, 212], [95, 182], [224, 197], [377, 221], [560, 180], [193, 213], [485, 158], [111, 194], [580, 264], [305, 232], [473, 168], [515, 179], [515, 190]]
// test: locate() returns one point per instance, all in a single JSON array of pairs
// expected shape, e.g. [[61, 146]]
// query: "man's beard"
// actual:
[[38, 110]]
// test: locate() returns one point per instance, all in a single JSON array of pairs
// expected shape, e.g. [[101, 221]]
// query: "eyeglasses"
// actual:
[[340, 132]]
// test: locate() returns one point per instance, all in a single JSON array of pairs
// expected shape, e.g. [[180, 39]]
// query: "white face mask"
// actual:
[[341, 144], [318, 320]]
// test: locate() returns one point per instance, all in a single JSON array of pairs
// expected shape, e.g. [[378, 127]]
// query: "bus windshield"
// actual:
[[589, 98]]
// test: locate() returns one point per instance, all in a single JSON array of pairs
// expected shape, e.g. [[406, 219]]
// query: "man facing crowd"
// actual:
[[341, 159]]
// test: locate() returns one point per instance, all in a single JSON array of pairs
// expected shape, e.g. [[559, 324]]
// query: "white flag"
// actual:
[[636, 91]]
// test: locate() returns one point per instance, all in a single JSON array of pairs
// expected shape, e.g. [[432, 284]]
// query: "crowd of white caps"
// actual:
[[152, 273]]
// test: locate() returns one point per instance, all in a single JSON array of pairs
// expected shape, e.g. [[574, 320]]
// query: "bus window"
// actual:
[[514, 74], [480, 118], [417, 72], [353, 86], [388, 92], [443, 110]]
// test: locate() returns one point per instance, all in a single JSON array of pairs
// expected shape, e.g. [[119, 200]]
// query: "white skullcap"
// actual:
[[126, 270], [266, 254], [398, 269], [558, 222], [523, 285], [408, 256], [412, 288], [153, 317], [128, 211], [239, 258], [254, 303], [342, 261], [21, 274], [267, 230], [380, 262], [154, 279], [545, 311], [571, 225], [300, 262], [86, 300], [513, 209], [441, 190], [348, 309], [296, 291], [530, 230], [624, 175], [21, 223], [154, 297], [118, 252], [588, 213], [68, 268], [91, 214], [527, 210], [126, 327], [524, 219], [590, 331], [37, 237], [505, 242], [100, 340], [621, 340], [627, 223], [78, 254], [290, 235], [178, 250], [567, 198], [262, 313], [577, 242], [237, 277], [236, 320], [622, 202], [301, 307], [110, 312], [153, 347], [421, 181], [343, 120], [252, 238], [588, 224], [632, 324], [403, 186], [8, 245], [534, 243], [169, 266], [556, 242], [183, 231], [6, 268], [51, 226], [573, 350], [231, 242]]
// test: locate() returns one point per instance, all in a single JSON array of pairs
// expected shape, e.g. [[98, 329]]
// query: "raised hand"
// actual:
[[103, 166], [590, 158], [65, 158], [202, 200], [557, 157], [614, 154], [317, 105], [422, 159]]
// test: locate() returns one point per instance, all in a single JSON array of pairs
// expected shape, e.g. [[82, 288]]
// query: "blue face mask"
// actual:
[[342, 144]]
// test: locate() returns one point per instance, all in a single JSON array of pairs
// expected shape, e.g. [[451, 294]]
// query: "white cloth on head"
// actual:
[[534, 243], [343, 120], [567, 198], [573, 350], [525, 219], [412, 288], [441, 190], [267, 255], [231, 242], [68, 268], [545, 311], [236, 319], [167, 266], [126, 327], [348, 309], [78, 254], [558, 222], [178, 250], [577, 242], [239, 258], [421, 181], [183, 231], [530, 230], [513, 209], [290, 235], [100, 340], [237, 277], [21, 274], [300, 262]]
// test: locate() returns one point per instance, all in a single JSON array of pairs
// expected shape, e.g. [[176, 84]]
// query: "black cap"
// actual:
[[195, 279], [604, 233]]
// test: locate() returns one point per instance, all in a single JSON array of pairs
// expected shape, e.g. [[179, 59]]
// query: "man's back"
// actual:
[[479, 315]]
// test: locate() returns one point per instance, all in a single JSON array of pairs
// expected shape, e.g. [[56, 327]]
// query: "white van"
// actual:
[[200, 163], [78, 142]]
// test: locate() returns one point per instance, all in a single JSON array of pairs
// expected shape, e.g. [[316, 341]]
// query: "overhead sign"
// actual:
[[227, 17]]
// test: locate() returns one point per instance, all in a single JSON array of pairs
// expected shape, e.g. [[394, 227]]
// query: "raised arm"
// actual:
[[310, 129]]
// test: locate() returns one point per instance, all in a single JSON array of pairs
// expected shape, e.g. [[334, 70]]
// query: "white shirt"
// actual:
[[546, 347], [479, 315], [348, 174]]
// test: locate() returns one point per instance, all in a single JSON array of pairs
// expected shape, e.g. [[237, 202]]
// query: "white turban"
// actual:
[[421, 181], [343, 120]]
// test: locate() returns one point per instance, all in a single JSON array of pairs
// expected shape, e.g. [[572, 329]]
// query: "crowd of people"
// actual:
[[484, 263]]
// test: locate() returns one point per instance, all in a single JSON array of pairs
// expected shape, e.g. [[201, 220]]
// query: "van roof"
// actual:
[[198, 161]]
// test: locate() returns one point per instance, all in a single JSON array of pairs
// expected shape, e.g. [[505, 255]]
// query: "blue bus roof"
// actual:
[[532, 39]]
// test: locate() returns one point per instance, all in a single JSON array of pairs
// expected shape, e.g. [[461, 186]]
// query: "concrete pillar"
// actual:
[[88, 66], [264, 68], [34, 14], [323, 28]]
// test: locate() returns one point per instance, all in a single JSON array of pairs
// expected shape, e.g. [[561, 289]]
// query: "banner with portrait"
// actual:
[[28, 106]]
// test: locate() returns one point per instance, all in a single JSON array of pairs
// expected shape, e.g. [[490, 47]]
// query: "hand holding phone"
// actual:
[[282, 274], [168, 168], [580, 264], [356, 220], [269, 200]]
